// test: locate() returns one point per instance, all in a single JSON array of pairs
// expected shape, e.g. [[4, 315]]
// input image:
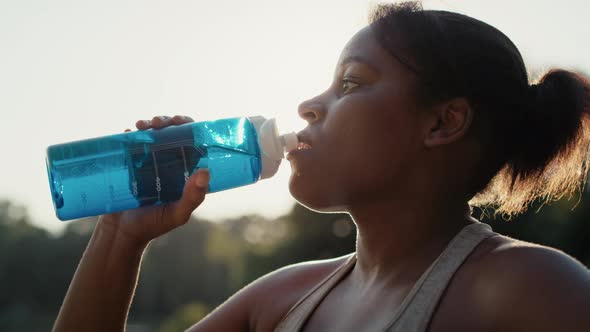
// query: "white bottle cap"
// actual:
[[272, 146], [289, 141]]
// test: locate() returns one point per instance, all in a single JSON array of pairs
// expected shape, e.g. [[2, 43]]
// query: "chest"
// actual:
[[459, 307], [454, 302], [343, 312]]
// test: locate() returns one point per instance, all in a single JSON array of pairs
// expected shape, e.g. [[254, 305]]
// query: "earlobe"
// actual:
[[449, 123]]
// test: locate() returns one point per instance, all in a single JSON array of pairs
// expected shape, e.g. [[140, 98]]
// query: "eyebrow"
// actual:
[[358, 59]]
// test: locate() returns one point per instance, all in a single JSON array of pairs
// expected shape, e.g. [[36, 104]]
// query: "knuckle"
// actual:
[[143, 124], [161, 121]]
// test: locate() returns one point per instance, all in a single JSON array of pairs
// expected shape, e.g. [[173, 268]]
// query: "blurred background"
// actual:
[[76, 69]]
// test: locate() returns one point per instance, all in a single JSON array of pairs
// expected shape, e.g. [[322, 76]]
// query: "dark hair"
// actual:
[[536, 137]]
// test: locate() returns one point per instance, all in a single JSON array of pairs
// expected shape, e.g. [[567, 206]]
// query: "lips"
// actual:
[[303, 146], [304, 141]]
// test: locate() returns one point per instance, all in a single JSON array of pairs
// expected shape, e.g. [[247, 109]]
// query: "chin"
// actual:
[[320, 208], [315, 199]]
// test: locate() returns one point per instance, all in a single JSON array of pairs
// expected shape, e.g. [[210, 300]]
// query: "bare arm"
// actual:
[[102, 288]]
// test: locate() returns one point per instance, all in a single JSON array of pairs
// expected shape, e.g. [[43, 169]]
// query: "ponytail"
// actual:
[[553, 153]]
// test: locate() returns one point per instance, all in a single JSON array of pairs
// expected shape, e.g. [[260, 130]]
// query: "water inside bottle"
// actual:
[[151, 167]]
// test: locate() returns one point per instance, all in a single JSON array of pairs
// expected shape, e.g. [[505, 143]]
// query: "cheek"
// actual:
[[374, 144], [358, 160], [380, 162], [367, 144]]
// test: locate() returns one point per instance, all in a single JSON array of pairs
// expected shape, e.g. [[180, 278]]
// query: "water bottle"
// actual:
[[129, 170]]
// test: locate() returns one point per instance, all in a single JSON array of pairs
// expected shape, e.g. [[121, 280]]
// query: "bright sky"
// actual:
[[77, 69]]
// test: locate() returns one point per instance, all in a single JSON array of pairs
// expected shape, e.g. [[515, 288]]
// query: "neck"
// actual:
[[399, 238]]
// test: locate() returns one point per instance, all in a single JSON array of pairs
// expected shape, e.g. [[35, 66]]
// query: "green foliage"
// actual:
[[196, 267], [184, 317], [563, 225]]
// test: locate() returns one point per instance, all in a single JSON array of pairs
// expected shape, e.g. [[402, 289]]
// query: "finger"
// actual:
[[192, 196], [181, 119], [161, 121], [127, 130], [143, 124]]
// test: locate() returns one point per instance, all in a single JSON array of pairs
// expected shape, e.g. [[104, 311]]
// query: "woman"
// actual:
[[429, 114]]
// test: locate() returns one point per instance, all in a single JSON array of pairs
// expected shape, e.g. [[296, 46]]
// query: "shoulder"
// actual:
[[522, 266], [287, 286], [524, 286], [262, 304], [301, 273]]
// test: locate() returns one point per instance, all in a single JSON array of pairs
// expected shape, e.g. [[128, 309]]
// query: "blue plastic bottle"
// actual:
[[140, 168]]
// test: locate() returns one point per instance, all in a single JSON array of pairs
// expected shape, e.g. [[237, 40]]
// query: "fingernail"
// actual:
[[163, 117], [202, 180]]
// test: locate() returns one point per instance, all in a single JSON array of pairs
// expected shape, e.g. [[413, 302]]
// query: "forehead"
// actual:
[[364, 47]]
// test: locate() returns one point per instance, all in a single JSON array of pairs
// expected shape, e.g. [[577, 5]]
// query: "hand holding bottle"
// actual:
[[150, 167], [140, 226]]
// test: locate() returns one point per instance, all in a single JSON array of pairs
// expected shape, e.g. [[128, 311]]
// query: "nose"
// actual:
[[311, 110]]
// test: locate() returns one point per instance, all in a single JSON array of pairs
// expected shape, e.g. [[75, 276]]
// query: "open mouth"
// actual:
[[303, 146]]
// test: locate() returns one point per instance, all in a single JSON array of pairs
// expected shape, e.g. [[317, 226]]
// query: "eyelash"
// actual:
[[345, 82]]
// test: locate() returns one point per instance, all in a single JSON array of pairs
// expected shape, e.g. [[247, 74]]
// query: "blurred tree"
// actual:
[[34, 270], [196, 267], [307, 235], [177, 270], [563, 225], [184, 317]]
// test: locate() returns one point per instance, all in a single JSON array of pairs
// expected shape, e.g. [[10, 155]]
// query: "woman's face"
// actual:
[[363, 133]]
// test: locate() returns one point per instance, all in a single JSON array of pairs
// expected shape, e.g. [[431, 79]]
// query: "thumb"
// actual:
[[192, 195]]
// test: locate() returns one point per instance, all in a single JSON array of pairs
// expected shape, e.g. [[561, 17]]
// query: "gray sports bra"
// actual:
[[417, 308]]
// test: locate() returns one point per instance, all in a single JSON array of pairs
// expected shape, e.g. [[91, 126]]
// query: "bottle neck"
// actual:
[[272, 146]]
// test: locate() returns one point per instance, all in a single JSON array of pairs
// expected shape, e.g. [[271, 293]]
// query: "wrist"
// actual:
[[110, 235]]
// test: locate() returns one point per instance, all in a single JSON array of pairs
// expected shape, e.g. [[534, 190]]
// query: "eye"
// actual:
[[348, 85]]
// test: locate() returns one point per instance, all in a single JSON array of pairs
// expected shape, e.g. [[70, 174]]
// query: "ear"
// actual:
[[449, 122]]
